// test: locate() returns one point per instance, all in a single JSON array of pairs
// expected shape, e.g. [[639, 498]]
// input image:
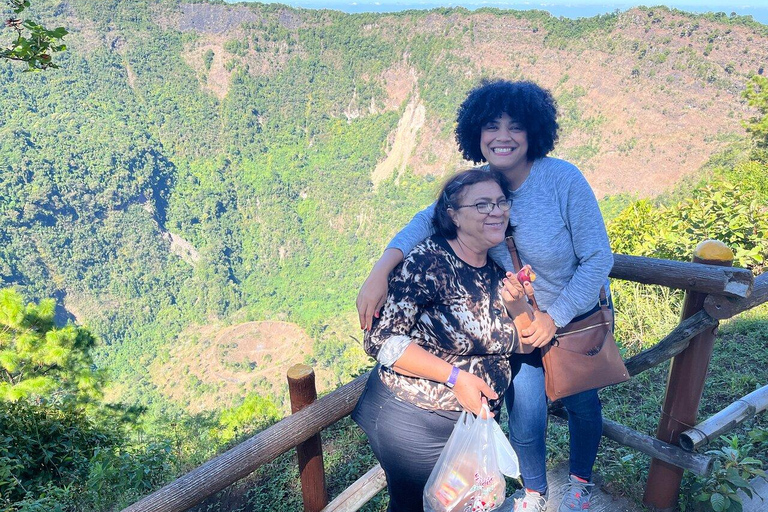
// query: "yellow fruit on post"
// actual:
[[713, 250]]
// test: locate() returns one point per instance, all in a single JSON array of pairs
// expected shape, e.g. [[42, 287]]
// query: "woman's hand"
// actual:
[[371, 297], [513, 293], [373, 293], [471, 390], [541, 331]]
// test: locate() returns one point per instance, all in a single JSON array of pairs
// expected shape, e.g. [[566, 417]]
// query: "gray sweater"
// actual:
[[558, 230]]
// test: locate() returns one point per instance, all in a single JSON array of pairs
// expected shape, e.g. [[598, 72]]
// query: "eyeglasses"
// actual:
[[504, 205]]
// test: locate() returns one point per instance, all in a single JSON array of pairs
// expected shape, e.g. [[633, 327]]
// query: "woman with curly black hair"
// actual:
[[559, 231]]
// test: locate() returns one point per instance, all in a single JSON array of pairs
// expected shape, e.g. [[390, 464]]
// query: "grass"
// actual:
[[644, 314]]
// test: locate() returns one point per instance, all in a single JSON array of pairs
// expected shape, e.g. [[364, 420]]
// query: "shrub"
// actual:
[[43, 447], [731, 472], [718, 210]]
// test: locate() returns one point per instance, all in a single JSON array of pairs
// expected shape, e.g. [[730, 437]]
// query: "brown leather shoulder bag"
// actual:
[[583, 354]]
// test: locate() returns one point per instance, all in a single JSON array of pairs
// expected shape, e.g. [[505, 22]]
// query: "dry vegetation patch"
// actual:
[[399, 81], [212, 367], [643, 105], [211, 18]]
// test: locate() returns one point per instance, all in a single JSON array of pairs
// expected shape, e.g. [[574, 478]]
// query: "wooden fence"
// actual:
[[714, 291]]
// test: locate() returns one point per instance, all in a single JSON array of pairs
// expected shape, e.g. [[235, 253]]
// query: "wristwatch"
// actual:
[[452, 377]]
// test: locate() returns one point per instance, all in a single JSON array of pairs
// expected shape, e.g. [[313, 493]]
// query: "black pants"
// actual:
[[406, 439]]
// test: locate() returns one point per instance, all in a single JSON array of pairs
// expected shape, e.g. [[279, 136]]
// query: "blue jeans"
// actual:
[[527, 409]]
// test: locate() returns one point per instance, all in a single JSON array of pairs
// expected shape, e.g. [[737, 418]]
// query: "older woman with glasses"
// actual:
[[442, 341], [559, 231]]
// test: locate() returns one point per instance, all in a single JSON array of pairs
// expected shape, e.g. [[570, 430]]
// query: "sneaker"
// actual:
[[576, 496], [531, 502]]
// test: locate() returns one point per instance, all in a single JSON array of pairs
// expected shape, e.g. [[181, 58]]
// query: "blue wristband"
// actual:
[[452, 377]]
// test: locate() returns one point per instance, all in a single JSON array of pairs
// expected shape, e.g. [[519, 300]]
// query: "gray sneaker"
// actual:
[[576, 496], [531, 502]]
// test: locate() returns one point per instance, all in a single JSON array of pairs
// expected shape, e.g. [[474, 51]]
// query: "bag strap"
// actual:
[[517, 265], [603, 298]]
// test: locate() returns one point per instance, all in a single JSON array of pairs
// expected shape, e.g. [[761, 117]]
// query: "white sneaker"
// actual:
[[531, 502], [576, 496]]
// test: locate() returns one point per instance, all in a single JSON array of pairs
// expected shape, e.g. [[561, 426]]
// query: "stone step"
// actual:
[[759, 500]]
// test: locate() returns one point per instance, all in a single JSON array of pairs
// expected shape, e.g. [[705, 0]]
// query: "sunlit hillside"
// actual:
[[202, 187], [194, 168]]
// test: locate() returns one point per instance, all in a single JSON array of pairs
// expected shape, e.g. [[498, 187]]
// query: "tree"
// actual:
[[756, 95], [40, 361], [32, 42]]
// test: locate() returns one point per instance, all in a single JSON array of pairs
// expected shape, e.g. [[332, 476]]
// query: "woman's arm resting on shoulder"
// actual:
[[373, 293], [469, 389], [419, 228]]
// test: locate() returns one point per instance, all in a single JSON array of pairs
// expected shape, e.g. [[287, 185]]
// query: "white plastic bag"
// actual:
[[468, 475]]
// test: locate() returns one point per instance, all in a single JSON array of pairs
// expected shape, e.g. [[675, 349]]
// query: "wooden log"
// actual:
[[694, 462], [720, 307], [302, 391], [359, 493], [672, 344], [243, 459], [725, 420], [697, 277]]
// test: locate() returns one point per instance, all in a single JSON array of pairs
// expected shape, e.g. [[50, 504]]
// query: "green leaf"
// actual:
[[718, 502], [733, 476]]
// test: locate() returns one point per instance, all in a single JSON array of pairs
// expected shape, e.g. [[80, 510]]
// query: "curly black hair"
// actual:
[[452, 192], [525, 102]]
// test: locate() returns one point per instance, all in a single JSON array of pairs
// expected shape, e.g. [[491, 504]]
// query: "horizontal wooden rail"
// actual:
[[725, 420], [721, 307], [360, 492], [243, 459], [698, 277], [672, 344], [694, 462]]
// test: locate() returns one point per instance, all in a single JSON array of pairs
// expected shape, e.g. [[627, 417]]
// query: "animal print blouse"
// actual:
[[452, 310]]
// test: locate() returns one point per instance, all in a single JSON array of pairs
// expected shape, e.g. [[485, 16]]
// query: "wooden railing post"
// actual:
[[685, 385], [301, 387]]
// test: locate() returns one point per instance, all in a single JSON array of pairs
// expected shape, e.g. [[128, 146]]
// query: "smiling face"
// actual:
[[504, 144], [480, 230]]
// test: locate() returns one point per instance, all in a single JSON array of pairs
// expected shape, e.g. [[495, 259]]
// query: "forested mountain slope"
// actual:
[[197, 165]]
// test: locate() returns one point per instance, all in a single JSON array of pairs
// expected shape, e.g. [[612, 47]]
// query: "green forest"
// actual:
[[187, 168]]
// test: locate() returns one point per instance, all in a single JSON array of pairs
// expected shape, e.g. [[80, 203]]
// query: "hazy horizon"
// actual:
[[758, 9]]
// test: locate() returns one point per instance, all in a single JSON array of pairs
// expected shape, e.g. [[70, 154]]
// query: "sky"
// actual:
[[758, 9]]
